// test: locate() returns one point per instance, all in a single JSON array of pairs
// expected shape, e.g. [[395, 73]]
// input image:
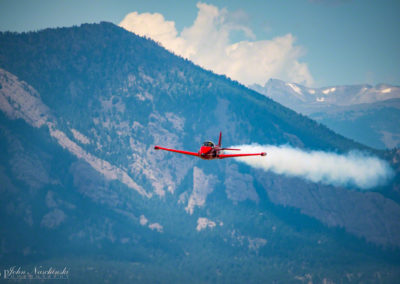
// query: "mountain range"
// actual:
[[82, 187], [367, 114]]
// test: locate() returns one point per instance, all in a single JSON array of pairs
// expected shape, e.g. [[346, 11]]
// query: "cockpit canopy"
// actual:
[[208, 144]]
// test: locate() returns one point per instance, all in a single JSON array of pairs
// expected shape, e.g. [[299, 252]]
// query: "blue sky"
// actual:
[[333, 41]]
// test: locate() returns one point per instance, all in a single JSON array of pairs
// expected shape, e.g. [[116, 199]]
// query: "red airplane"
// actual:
[[209, 151]]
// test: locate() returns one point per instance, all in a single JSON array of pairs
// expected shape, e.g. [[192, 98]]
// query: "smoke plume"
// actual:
[[352, 169]]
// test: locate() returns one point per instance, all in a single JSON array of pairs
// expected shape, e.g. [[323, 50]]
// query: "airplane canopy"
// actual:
[[208, 144]]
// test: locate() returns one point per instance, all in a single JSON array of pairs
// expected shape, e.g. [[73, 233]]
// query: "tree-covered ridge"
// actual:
[[74, 66]]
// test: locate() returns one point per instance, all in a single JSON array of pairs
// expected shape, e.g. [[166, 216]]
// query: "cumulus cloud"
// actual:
[[351, 169], [207, 43]]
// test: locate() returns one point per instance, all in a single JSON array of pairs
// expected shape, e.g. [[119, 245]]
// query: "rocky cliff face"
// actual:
[[79, 174], [360, 213]]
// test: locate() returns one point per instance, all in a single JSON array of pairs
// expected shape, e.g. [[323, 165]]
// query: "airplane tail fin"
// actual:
[[220, 139]]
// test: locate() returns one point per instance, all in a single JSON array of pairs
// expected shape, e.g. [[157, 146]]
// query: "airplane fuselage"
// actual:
[[209, 153]]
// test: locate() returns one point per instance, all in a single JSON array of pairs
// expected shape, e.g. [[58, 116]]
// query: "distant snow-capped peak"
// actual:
[[291, 94]]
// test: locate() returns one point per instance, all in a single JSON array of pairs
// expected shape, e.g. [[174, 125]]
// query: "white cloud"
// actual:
[[203, 223], [143, 220], [157, 227], [207, 43]]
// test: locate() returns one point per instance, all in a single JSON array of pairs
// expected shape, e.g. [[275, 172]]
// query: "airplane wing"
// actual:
[[176, 151], [240, 155]]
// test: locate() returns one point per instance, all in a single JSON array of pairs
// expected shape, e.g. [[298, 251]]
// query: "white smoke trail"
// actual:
[[352, 169]]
